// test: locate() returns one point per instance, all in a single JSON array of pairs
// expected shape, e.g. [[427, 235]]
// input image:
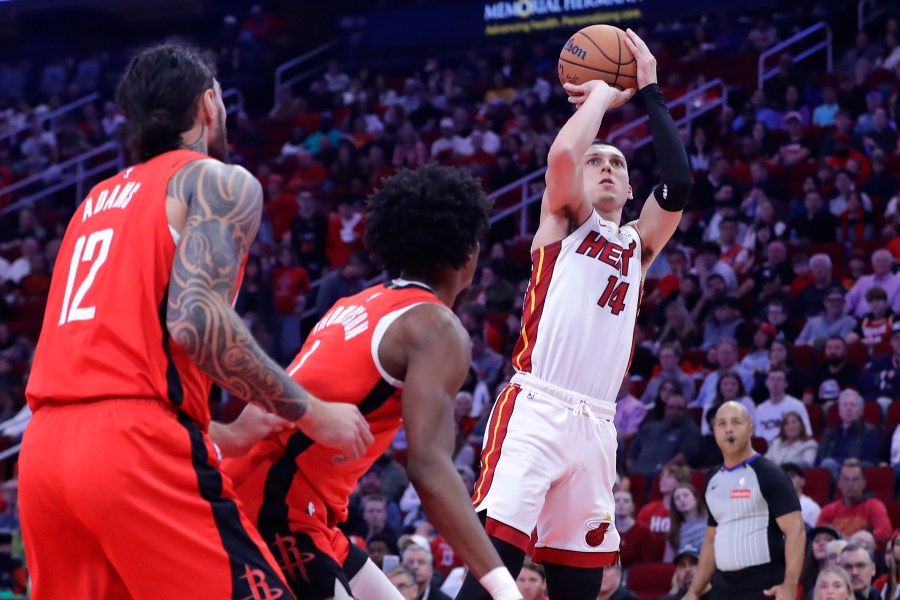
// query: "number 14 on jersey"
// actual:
[[614, 295]]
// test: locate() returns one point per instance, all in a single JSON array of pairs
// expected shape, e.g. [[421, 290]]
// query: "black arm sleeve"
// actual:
[[710, 519], [672, 194], [776, 488]]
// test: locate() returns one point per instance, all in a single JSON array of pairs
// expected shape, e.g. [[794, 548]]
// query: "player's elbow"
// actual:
[[187, 332], [420, 467], [561, 158]]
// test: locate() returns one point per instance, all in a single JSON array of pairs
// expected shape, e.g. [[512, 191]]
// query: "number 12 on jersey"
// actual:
[[614, 295], [90, 249]]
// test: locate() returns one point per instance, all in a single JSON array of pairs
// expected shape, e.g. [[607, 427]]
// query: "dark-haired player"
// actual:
[[121, 494], [397, 351], [550, 451]]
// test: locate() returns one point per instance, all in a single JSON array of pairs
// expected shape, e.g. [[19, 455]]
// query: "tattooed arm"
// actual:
[[223, 213]]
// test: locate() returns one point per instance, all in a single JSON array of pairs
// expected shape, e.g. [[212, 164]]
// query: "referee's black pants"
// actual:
[[746, 584]]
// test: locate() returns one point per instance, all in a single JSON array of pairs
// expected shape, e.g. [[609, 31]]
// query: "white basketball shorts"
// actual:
[[548, 466]]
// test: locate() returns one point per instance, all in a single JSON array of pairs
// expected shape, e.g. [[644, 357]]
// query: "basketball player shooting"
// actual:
[[548, 461]]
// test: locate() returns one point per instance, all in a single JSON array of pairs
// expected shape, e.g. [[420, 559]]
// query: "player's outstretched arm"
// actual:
[[224, 206], [662, 211], [564, 196], [438, 356]]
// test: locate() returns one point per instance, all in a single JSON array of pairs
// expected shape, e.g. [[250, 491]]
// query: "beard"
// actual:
[[834, 360], [218, 144]]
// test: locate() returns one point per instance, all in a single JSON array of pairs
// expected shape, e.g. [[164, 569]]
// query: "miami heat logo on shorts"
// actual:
[[597, 529]]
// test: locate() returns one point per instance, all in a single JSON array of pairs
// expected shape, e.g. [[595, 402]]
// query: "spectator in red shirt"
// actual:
[[655, 515], [346, 228], [856, 510], [462, 413], [289, 284], [728, 231], [309, 175], [280, 207], [637, 543]]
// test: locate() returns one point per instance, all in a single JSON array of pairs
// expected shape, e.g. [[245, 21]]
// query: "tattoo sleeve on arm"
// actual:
[[224, 204]]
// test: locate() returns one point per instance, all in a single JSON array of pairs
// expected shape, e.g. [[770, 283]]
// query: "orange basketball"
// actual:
[[598, 52]]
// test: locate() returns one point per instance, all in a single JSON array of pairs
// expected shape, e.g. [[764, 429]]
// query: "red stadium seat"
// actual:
[[638, 490], [650, 580], [695, 357], [698, 478], [653, 490], [638, 387], [879, 481], [815, 419], [803, 358], [871, 415], [858, 354], [818, 485], [893, 510], [697, 413], [760, 444], [892, 419]]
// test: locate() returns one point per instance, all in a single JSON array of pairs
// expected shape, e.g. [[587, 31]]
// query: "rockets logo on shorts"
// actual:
[[597, 529], [259, 587]]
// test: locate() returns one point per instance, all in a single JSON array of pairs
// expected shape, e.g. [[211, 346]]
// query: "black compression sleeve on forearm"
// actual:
[[672, 194]]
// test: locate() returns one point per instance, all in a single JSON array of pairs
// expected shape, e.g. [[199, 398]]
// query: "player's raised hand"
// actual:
[[646, 62], [337, 425], [614, 97]]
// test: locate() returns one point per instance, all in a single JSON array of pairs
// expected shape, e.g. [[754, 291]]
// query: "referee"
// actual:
[[755, 537]]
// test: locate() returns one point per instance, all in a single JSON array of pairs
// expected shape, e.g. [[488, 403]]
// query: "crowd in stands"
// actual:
[[778, 291]]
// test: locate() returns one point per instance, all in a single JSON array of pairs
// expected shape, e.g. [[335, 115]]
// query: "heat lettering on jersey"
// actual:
[[354, 319], [119, 197], [595, 246]]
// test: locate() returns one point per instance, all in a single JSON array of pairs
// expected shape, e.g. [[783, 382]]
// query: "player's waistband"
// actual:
[[138, 403], [601, 408]]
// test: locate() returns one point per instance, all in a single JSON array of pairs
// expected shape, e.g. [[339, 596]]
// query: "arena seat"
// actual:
[[871, 414], [879, 481], [892, 418], [760, 444], [893, 510], [638, 489], [815, 419], [818, 485], [650, 581]]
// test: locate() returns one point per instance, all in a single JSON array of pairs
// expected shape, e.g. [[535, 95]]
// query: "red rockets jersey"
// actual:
[[104, 332], [287, 472]]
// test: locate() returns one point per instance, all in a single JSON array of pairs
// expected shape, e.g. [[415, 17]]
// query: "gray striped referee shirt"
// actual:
[[743, 503]]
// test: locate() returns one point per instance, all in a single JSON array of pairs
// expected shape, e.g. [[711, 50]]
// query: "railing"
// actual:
[[71, 172], [283, 80], [528, 195], [233, 100], [862, 19], [695, 104], [50, 115], [825, 44]]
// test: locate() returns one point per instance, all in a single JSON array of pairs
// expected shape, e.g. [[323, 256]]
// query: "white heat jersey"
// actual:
[[581, 309]]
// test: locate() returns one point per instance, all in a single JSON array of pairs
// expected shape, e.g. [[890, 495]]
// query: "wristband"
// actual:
[[500, 585]]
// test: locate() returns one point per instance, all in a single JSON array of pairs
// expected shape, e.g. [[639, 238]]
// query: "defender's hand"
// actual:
[[252, 425], [337, 425]]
